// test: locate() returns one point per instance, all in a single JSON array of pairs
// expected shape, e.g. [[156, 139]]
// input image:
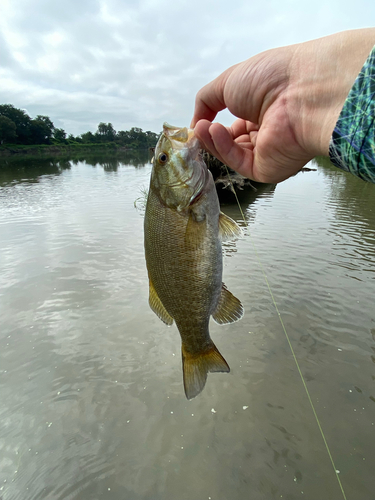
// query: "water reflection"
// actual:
[[110, 163], [246, 195], [25, 169], [92, 403], [15, 170], [353, 204], [248, 198]]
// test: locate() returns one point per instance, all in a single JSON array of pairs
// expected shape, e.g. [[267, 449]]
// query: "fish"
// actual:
[[183, 231]]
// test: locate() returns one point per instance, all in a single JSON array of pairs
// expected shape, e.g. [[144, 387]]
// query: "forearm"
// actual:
[[320, 96]]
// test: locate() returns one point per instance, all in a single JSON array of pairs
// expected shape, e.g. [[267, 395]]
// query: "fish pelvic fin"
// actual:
[[196, 366], [157, 306], [228, 228], [229, 308]]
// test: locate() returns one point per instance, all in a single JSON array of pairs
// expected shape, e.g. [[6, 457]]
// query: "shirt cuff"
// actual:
[[352, 145]]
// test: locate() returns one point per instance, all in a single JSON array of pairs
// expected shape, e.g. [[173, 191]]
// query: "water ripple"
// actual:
[[92, 402]]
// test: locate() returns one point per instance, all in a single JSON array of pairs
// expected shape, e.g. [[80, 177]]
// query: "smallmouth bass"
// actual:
[[183, 230]]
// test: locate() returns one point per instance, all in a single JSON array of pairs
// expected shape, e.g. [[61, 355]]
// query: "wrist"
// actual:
[[323, 74]]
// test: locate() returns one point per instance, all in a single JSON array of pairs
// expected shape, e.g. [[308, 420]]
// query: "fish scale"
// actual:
[[181, 275], [183, 229]]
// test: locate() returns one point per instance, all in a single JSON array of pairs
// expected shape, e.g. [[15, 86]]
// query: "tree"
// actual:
[[17, 126], [48, 126], [152, 139], [7, 130], [20, 118], [106, 132], [59, 135], [122, 137], [88, 137], [41, 130], [138, 138]]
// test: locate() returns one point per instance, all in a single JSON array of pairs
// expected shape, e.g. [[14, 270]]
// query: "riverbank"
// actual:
[[7, 150]]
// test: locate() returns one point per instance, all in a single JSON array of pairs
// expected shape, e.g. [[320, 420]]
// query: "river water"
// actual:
[[92, 402]]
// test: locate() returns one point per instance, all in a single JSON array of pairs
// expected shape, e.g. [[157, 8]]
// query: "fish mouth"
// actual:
[[180, 135]]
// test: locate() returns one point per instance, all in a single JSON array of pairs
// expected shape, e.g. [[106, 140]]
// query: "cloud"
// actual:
[[141, 63]]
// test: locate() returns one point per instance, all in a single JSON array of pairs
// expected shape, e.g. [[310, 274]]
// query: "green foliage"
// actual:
[[28, 131], [20, 118], [7, 130], [88, 138], [17, 127], [59, 135], [135, 138], [106, 132], [41, 129]]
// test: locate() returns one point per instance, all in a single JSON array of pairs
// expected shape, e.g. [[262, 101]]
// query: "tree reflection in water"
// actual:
[[16, 169]]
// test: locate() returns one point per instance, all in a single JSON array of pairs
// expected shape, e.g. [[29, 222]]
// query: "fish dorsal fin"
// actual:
[[229, 308], [196, 366], [157, 305], [228, 229]]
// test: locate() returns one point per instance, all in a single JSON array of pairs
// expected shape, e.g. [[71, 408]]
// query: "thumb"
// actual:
[[210, 99]]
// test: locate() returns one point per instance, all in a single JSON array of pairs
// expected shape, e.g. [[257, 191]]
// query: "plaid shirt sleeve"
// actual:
[[352, 145]]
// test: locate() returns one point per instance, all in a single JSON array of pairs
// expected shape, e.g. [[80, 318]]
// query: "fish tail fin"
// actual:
[[196, 366]]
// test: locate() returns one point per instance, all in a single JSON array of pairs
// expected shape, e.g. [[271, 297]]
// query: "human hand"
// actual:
[[287, 101]]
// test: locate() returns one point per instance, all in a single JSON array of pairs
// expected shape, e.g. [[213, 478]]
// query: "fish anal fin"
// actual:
[[228, 228], [157, 305], [196, 366], [229, 308]]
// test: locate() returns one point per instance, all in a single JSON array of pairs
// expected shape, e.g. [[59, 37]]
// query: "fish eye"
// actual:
[[163, 158]]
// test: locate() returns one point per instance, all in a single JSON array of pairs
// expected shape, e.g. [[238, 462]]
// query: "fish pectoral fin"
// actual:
[[229, 308], [195, 231], [196, 366], [228, 228], [157, 305]]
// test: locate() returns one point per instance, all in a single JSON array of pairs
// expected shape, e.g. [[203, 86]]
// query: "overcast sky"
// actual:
[[138, 64]]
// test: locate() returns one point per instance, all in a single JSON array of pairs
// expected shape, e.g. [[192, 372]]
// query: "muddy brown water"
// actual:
[[92, 403]]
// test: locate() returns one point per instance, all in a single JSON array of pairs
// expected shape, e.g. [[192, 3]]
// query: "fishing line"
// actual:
[[289, 342]]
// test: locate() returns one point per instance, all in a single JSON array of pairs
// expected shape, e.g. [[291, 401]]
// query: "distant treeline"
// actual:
[[16, 127]]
